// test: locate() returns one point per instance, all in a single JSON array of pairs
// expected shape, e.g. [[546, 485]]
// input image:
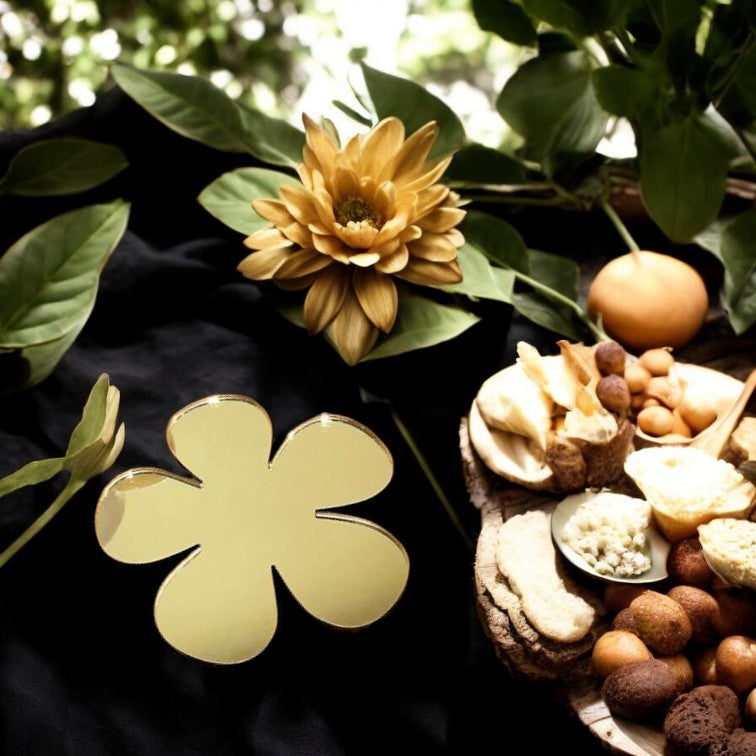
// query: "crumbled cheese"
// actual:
[[608, 532]]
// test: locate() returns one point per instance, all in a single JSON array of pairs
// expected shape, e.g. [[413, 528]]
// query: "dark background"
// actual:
[[83, 669]]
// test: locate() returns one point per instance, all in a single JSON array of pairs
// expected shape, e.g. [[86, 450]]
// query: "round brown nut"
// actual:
[[737, 613], [681, 666], [618, 596], [679, 426], [610, 358], [613, 393], [615, 648], [687, 564], [664, 391], [624, 620], [701, 608], [657, 361], [749, 710], [736, 662], [662, 623], [641, 690], [656, 421], [705, 666], [697, 412], [637, 377]]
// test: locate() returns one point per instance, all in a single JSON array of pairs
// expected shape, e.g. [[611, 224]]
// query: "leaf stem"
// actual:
[[425, 467], [71, 487], [619, 225]]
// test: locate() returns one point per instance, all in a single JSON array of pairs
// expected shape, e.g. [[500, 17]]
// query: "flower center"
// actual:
[[356, 210]]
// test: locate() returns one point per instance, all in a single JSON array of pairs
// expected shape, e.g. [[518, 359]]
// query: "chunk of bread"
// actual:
[[526, 556], [729, 546], [687, 487]]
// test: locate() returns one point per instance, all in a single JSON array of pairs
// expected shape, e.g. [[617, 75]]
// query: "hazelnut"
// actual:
[[701, 608], [697, 412], [637, 377], [617, 596], [615, 648], [705, 666], [737, 614], [736, 662], [613, 393], [640, 690], [657, 361], [624, 620], [749, 709], [682, 668], [679, 426], [687, 564], [656, 421], [610, 358], [662, 623]]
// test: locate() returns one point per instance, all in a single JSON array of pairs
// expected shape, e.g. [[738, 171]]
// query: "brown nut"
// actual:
[[679, 426], [683, 669], [701, 608], [697, 412], [667, 392], [618, 596], [705, 666], [637, 377], [641, 690], [624, 620], [736, 662], [656, 421], [615, 648], [613, 393], [662, 624], [610, 358], [749, 709], [737, 613], [657, 361], [687, 564]]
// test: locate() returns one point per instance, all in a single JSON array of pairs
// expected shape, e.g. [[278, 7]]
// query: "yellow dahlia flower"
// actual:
[[365, 213]]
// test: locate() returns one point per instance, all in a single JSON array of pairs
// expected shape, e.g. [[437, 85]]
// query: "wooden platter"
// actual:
[[575, 685]]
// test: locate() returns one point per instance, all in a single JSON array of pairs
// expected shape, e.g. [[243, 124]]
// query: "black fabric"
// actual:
[[83, 669]]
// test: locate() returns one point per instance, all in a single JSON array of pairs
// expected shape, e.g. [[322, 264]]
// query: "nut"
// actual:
[[613, 393], [610, 358]]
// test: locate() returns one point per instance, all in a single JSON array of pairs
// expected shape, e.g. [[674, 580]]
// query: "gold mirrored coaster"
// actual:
[[244, 513]]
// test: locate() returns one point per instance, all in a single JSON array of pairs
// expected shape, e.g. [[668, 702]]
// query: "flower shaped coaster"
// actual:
[[243, 514]]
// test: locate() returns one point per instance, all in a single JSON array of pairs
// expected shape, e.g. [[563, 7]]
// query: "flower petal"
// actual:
[[356, 235], [364, 259], [332, 246], [262, 265], [428, 273], [435, 247], [380, 145], [351, 332], [430, 198], [441, 219], [320, 149], [411, 158], [218, 607], [394, 262], [378, 296], [302, 263], [266, 238], [147, 514], [274, 211], [325, 297], [429, 177]]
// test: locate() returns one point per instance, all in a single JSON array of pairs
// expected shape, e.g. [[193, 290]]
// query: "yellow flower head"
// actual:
[[364, 213], [244, 514]]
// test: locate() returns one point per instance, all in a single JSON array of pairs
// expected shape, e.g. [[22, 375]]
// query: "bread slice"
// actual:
[[687, 487], [729, 546]]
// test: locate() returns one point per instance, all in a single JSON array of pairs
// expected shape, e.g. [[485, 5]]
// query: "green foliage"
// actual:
[[61, 166], [49, 280]]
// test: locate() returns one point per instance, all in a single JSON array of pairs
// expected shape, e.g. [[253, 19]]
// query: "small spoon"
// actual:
[[714, 442]]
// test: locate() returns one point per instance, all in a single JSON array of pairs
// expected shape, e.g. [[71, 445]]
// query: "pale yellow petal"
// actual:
[[364, 259], [356, 235], [394, 262], [321, 145], [428, 273], [378, 297], [299, 204], [410, 233], [325, 297], [332, 246], [346, 184], [384, 199], [260, 266], [441, 219], [434, 247], [427, 178], [296, 284], [302, 263], [414, 152], [300, 235], [266, 238], [274, 211], [351, 332], [430, 198], [380, 145], [395, 225]]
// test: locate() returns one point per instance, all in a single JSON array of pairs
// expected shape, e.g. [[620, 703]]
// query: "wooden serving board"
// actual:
[[498, 500]]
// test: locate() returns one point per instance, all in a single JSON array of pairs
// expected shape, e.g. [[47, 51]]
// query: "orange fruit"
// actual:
[[647, 299]]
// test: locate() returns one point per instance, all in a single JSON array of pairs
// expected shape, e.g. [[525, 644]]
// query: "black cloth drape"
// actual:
[[83, 669]]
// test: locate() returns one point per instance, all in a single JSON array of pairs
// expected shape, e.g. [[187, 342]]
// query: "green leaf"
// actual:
[[580, 17], [543, 312], [49, 277], [41, 359], [479, 279], [414, 106], [353, 114], [550, 101], [498, 240], [507, 19], [624, 91], [61, 166], [557, 272], [195, 108], [683, 168], [738, 256], [229, 198], [422, 323], [477, 164], [30, 474]]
